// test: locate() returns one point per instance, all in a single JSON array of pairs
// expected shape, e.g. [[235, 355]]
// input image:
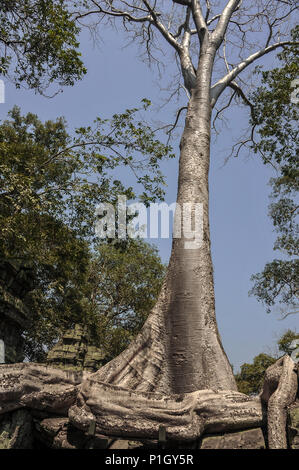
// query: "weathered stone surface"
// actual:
[[247, 439], [293, 425], [16, 430], [73, 352], [69, 352]]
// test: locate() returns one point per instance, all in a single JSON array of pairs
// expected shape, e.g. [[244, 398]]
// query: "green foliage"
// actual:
[[125, 282], [276, 122], [250, 378], [38, 43], [285, 341], [50, 184]]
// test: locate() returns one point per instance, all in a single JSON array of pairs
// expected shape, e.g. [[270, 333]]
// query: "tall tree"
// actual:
[[179, 349], [275, 137]]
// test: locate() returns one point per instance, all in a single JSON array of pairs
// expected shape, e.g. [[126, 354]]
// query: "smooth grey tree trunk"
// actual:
[[179, 349]]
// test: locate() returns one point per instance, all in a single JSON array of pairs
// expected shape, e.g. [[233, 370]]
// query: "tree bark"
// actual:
[[179, 349]]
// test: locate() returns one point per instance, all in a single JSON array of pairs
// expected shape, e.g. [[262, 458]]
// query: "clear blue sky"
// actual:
[[241, 232]]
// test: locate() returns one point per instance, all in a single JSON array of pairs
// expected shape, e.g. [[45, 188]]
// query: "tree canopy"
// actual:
[[45, 171], [284, 342]]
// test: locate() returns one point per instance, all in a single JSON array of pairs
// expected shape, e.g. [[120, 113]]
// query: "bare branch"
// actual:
[[219, 111], [208, 10], [224, 54], [289, 313], [170, 23], [118, 13], [186, 36], [187, 67], [194, 31], [213, 19]]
